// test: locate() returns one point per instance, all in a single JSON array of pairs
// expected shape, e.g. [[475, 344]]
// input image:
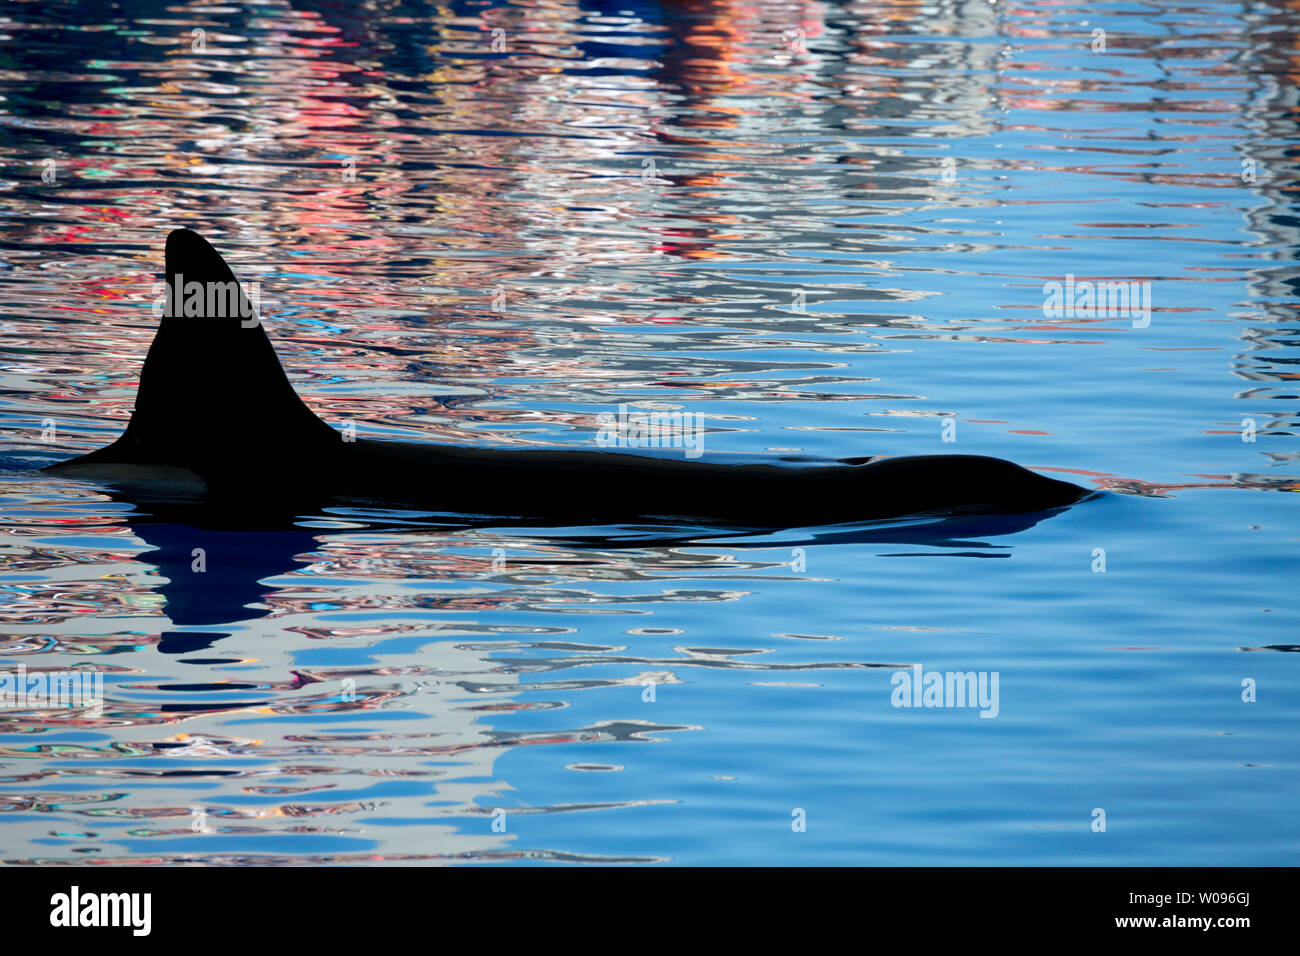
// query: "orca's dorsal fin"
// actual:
[[212, 394]]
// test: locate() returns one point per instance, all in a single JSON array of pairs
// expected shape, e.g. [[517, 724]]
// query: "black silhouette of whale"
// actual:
[[217, 421]]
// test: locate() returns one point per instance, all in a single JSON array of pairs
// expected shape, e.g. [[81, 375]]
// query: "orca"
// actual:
[[217, 422]]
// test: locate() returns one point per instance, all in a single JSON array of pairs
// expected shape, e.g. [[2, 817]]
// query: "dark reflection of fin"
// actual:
[[947, 554], [181, 642], [234, 559], [241, 550], [949, 531], [235, 562]]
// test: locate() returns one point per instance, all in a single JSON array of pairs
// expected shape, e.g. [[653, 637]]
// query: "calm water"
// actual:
[[825, 227]]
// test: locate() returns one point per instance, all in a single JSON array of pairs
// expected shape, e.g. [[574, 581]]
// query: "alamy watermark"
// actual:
[[210, 300], [915, 687], [1102, 299], [634, 429], [75, 908], [76, 689]]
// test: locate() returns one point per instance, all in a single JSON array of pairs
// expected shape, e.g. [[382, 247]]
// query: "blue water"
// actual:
[[741, 211]]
